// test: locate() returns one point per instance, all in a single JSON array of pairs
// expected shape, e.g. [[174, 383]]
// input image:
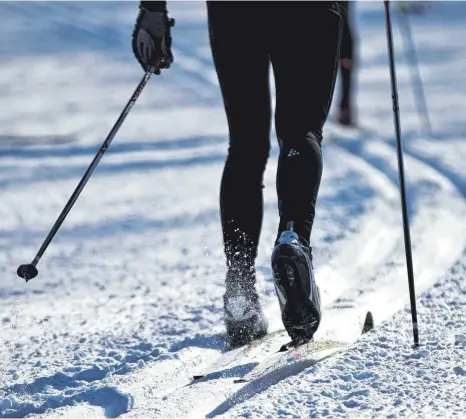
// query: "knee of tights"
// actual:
[[249, 158], [301, 144]]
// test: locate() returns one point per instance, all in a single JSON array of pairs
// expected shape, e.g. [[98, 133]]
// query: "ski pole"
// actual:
[[407, 238], [29, 271], [416, 80]]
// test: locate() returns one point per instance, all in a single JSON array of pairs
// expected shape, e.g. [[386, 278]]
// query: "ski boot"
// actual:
[[295, 286], [244, 318]]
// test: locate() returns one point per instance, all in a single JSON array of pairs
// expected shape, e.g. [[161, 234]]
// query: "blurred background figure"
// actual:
[[345, 114]]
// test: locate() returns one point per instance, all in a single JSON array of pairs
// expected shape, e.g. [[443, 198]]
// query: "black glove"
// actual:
[[152, 37]]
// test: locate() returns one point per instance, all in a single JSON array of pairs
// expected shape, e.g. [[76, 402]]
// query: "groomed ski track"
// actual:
[[127, 303]]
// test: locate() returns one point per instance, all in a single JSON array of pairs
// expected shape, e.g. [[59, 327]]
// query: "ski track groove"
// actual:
[[440, 211]]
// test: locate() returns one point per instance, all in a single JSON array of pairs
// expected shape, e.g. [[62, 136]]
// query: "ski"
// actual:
[[293, 360], [232, 356], [301, 357]]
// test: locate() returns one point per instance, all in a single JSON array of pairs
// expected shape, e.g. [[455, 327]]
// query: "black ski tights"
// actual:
[[301, 40]]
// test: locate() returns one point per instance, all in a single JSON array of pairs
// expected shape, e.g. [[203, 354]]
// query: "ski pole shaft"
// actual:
[[407, 238], [29, 271]]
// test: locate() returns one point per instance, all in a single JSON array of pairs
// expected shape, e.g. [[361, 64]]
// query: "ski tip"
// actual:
[[368, 323]]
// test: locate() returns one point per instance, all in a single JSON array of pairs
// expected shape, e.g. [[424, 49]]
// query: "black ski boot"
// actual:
[[244, 318], [296, 289]]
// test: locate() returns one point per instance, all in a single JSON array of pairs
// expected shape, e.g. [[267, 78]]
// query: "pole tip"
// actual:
[[27, 271]]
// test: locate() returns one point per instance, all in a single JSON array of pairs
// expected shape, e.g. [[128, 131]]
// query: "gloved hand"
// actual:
[[152, 38]]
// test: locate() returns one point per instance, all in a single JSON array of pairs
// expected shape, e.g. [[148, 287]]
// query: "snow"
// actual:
[[127, 303]]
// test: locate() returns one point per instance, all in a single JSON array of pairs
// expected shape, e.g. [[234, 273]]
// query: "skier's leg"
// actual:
[[242, 64], [345, 114], [304, 60], [305, 63]]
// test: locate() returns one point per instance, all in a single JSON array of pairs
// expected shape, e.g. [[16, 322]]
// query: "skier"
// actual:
[[345, 111], [301, 41]]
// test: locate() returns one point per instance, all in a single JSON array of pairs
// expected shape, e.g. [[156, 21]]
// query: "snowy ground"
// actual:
[[127, 302]]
